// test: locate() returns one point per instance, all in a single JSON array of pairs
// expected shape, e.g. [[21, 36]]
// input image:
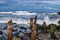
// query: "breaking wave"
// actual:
[[23, 17]]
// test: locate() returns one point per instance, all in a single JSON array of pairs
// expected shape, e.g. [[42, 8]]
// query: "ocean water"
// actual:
[[30, 5], [23, 17]]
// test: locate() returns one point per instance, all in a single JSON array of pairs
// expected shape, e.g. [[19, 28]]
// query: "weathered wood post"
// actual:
[[9, 30], [33, 29]]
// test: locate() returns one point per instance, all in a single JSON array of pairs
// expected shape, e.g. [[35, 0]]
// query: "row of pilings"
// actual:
[[33, 29], [32, 25]]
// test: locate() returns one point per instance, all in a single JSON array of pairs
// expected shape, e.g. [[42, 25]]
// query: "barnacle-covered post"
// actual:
[[9, 30], [44, 26]]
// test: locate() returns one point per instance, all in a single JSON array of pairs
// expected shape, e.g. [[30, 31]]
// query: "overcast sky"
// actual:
[[30, 5]]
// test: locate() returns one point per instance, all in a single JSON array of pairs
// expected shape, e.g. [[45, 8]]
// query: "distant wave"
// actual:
[[24, 13]]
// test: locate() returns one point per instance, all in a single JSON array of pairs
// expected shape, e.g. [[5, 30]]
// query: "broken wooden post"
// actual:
[[9, 30], [33, 28], [31, 22]]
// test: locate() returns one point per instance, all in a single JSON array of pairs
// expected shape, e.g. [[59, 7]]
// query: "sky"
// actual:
[[30, 5]]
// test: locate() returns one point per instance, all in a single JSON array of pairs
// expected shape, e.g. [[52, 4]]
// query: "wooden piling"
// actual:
[[9, 30], [33, 29]]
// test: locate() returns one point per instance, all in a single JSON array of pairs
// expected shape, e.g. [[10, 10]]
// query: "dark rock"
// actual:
[[1, 33], [58, 13]]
